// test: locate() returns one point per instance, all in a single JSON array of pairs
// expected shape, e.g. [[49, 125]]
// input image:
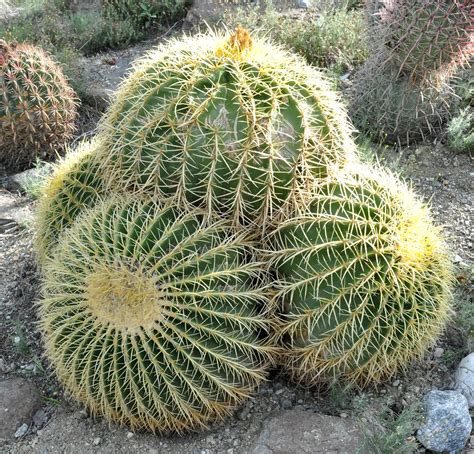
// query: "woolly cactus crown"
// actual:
[[229, 124]]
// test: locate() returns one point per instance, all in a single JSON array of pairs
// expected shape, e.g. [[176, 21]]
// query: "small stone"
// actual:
[[438, 353], [96, 441], [40, 418], [396, 383], [447, 421], [243, 414], [464, 379], [344, 415], [306, 432], [286, 404], [21, 431], [280, 391], [129, 435], [304, 4], [457, 259], [83, 414]]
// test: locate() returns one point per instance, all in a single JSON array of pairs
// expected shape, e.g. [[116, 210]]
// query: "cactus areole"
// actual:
[[37, 106], [230, 124], [155, 317]]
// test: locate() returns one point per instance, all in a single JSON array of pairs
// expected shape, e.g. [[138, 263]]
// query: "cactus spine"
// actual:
[[232, 125], [364, 280], [154, 317], [37, 106]]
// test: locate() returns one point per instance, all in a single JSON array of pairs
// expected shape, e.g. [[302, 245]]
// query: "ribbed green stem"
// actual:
[[240, 135], [364, 280], [156, 317]]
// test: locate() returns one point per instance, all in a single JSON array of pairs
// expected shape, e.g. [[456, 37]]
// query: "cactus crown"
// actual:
[[237, 46], [155, 317]]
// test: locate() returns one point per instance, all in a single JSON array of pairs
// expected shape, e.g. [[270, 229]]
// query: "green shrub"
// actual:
[[145, 14], [461, 131], [333, 40]]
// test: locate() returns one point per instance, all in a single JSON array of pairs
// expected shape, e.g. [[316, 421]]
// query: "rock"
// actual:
[[304, 4], [12, 213], [19, 400], [306, 432], [464, 379], [244, 413], [447, 421], [286, 404], [40, 418], [438, 353], [21, 431]]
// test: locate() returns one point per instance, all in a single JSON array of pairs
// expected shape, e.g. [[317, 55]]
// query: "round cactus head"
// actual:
[[74, 185], [424, 36], [364, 280], [155, 317], [231, 124], [37, 106]]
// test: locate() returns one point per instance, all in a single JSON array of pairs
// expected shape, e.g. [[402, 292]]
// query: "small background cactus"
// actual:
[[364, 280], [401, 93], [37, 106], [155, 317], [390, 107], [427, 36]]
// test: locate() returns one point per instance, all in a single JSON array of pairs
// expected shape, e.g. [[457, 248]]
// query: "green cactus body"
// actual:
[[155, 317], [388, 106], [74, 185], [37, 106], [424, 36], [227, 124], [364, 280]]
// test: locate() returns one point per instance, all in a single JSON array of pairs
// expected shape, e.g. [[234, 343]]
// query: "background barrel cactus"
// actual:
[[37, 106], [75, 184], [233, 125], [364, 280], [426, 36], [387, 106], [155, 317]]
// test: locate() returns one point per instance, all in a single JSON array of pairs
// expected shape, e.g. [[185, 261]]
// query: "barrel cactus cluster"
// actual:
[[37, 106], [220, 223], [402, 93]]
